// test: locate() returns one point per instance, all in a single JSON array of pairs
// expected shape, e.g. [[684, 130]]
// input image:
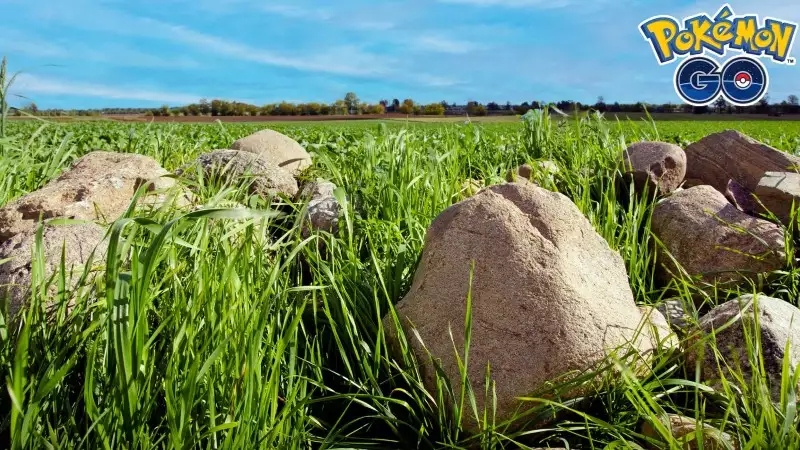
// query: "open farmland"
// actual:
[[223, 324]]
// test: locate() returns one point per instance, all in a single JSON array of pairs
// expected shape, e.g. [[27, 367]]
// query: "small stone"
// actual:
[[523, 171], [323, 207], [686, 432], [674, 310]]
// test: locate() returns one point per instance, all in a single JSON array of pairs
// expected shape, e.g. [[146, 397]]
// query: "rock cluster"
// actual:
[[101, 186]]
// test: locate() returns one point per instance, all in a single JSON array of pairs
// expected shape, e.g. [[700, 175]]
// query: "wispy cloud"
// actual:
[[514, 3], [443, 44], [344, 60], [297, 12], [358, 21], [27, 85], [348, 60]]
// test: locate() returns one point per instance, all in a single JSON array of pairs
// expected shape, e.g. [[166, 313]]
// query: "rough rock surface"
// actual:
[[98, 186], [740, 197], [659, 166], [674, 310], [79, 241], [549, 296], [780, 323], [235, 167], [538, 170], [278, 149], [524, 171], [659, 329], [779, 193], [323, 208], [731, 155], [685, 431], [710, 237]]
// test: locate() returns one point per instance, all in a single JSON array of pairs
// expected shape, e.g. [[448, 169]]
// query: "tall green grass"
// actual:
[[223, 327]]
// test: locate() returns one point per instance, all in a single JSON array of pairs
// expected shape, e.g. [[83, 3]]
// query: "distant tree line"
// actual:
[[351, 105]]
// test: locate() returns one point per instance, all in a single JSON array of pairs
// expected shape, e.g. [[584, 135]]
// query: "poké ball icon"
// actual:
[[743, 80]]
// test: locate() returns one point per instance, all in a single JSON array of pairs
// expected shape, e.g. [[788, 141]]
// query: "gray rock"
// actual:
[[78, 241], [731, 155], [524, 171], [684, 430], [237, 167], [317, 189], [549, 296], [779, 322], [323, 208], [658, 165], [779, 193], [659, 329], [740, 197], [97, 187], [674, 310], [710, 238], [280, 150]]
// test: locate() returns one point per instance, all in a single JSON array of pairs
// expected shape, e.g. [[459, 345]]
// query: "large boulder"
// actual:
[[657, 166], [549, 296], [732, 324], [730, 155], [98, 187], [235, 167], [709, 237], [79, 242], [276, 148], [779, 193]]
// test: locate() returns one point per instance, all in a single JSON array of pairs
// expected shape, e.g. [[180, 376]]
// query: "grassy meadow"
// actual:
[[222, 328]]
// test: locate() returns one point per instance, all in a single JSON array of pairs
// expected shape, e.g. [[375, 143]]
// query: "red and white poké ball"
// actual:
[[743, 80]]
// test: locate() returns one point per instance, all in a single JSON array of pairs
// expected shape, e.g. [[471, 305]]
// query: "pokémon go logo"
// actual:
[[701, 80]]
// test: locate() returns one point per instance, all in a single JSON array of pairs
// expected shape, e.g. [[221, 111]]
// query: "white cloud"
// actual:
[[26, 85], [549, 4], [296, 12], [443, 44], [346, 60]]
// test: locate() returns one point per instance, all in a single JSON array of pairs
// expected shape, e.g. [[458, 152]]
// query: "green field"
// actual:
[[242, 334]]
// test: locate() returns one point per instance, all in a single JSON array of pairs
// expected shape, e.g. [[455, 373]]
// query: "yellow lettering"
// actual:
[[684, 42], [745, 32], [784, 33], [764, 39], [661, 32], [700, 28], [722, 32]]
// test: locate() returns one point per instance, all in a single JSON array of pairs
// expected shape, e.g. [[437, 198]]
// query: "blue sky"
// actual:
[[93, 53]]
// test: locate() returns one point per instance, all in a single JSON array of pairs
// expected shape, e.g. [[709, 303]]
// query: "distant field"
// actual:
[[660, 117]]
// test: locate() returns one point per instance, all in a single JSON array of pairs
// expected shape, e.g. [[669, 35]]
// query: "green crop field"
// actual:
[[222, 327]]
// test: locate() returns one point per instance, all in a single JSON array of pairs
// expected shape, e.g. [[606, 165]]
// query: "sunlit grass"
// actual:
[[222, 327]]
